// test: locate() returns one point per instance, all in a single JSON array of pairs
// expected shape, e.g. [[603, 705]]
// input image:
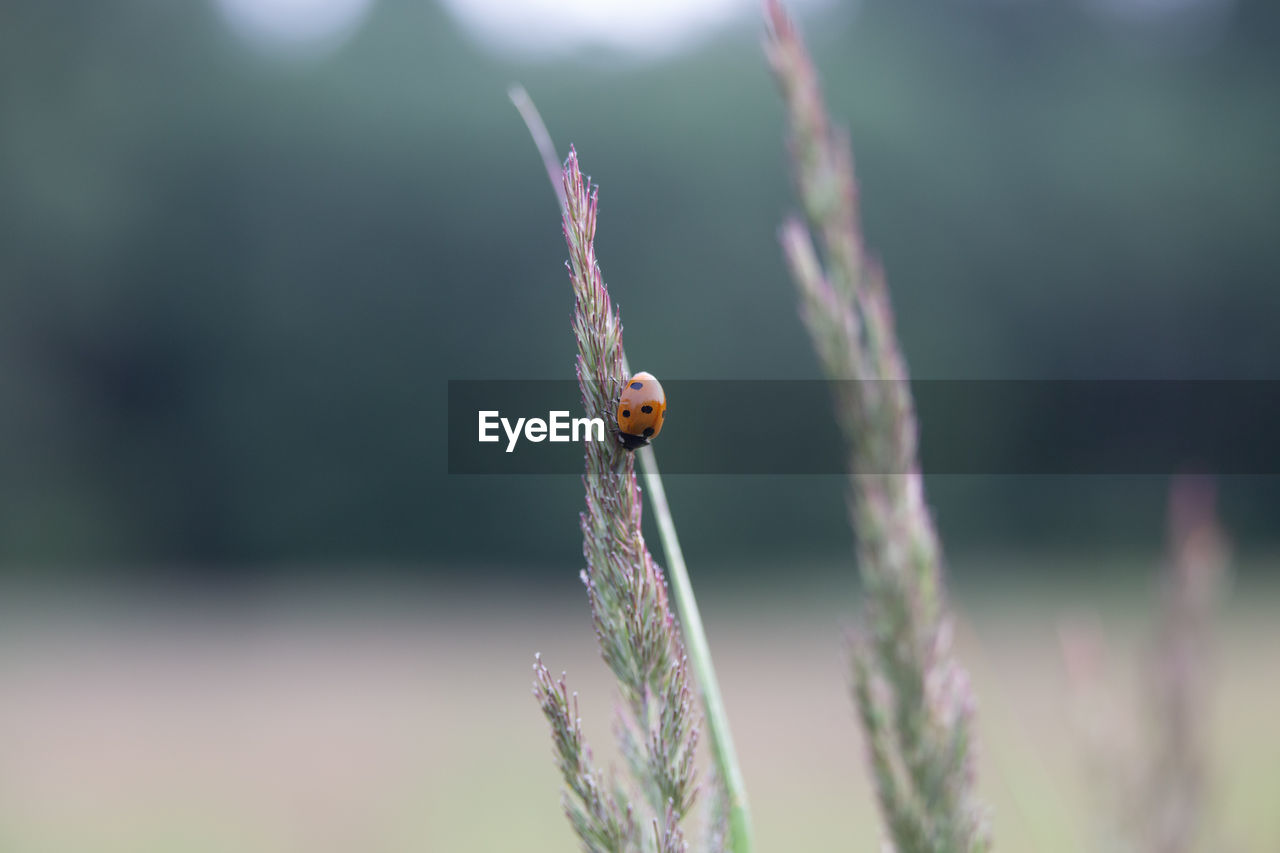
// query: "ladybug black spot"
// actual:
[[646, 409], [626, 413], [637, 385], [648, 431]]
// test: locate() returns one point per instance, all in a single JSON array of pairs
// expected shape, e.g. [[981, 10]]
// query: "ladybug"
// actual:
[[641, 411]]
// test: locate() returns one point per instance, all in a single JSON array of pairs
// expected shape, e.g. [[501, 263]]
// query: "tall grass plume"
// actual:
[[634, 625], [1150, 765], [912, 695], [627, 590]]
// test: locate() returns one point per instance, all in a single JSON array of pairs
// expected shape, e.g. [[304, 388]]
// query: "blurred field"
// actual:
[[396, 719]]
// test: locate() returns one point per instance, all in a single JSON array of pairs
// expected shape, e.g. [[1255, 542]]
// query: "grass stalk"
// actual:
[[717, 721], [913, 697], [596, 375], [1152, 792], [1176, 784]]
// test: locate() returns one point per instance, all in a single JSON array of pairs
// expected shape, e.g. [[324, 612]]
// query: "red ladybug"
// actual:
[[641, 411]]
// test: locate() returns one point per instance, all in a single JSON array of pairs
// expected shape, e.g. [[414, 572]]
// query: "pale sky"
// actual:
[[530, 27], [549, 28]]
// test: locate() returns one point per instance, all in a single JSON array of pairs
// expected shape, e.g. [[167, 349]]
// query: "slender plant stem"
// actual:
[[541, 138], [695, 637]]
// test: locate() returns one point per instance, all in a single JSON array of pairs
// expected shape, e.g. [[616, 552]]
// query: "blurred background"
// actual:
[[245, 244]]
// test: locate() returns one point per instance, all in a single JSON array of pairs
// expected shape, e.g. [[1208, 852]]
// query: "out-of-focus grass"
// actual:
[[382, 719]]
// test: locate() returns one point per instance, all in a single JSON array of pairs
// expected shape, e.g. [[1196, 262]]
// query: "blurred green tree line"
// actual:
[[233, 285]]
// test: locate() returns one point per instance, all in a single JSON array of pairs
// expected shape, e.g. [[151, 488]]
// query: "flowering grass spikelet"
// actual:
[[634, 624], [912, 696]]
